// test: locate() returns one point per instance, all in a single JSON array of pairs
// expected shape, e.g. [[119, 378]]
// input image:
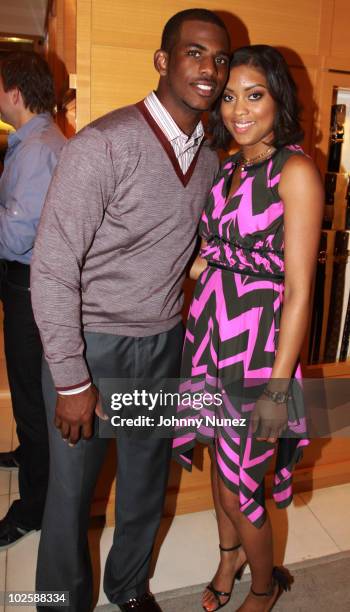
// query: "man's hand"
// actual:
[[269, 419], [75, 414]]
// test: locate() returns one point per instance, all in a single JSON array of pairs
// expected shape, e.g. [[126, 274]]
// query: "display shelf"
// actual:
[[327, 370]]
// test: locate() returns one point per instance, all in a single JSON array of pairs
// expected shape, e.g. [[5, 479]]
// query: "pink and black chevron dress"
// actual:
[[232, 335]]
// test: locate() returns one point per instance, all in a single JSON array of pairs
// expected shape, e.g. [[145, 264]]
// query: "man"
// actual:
[[27, 101], [117, 232]]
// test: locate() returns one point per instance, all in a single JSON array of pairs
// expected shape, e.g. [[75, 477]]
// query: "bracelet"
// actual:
[[278, 397]]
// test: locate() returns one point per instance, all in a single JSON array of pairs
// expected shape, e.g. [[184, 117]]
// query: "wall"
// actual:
[[115, 46], [61, 56]]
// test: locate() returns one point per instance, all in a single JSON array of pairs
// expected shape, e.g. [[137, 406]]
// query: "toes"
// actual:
[[209, 601]]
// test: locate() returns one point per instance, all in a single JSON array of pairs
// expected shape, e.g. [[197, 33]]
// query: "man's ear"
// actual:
[[161, 60], [16, 96]]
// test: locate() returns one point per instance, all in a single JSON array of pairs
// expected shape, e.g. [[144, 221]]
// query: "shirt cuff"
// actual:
[[75, 391]]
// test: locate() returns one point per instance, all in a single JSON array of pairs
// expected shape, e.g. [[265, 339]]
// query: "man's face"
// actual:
[[6, 106], [197, 66]]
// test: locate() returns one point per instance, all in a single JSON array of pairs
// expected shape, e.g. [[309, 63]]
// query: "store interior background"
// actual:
[[101, 55]]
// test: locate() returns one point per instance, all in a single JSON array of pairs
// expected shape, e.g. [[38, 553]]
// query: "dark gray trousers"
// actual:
[[142, 473], [23, 350]]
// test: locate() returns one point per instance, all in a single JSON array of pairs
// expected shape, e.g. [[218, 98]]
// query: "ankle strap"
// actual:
[[267, 594], [229, 549], [278, 577]]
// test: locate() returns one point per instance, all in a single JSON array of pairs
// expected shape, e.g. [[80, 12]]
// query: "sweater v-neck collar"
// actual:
[[184, 178]]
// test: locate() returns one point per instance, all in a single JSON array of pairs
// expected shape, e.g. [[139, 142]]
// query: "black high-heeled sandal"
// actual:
[[217, 594], [279, 578]]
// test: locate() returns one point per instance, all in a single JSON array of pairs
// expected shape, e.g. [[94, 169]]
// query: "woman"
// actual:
[[260, 232]]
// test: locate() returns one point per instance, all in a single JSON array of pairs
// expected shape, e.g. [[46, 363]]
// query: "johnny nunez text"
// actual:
[[147, 421]]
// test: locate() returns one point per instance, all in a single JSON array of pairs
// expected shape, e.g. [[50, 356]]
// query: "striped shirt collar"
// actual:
[[167, 124]]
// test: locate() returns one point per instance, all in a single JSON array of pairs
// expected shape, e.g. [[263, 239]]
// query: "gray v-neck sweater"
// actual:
[[116, 234]]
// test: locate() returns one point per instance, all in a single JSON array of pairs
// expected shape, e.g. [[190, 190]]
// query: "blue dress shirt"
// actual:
[[30, 160]]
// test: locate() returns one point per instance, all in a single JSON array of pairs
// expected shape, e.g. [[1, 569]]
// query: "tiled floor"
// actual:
[[314, 525]]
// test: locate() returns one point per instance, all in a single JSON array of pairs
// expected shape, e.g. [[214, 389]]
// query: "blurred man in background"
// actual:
[[27, 101]]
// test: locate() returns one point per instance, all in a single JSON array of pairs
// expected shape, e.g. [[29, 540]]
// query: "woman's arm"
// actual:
[[199, 264], [301, 191]]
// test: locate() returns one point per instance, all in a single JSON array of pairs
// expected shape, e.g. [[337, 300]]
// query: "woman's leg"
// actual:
[[230, 561], [257, 544]]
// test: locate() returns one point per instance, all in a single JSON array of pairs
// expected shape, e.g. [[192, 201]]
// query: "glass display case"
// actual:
[[330, 323]]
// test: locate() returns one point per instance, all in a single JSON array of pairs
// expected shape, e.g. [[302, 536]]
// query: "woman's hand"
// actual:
[[199, 264], [269, 419], [197, 267]]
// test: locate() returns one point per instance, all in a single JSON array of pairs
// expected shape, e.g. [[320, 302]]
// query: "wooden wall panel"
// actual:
[[305, 80], [289, 24], [61, 55], [115, 24], [293, 23], [110, 75], [70, 35], [83, 80], [122, 40], [340, 43]]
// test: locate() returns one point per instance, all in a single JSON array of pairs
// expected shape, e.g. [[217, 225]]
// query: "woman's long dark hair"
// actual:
[[281, 86]]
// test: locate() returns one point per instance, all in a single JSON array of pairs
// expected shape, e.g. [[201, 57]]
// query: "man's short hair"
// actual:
[[30, 73], [173, 26]]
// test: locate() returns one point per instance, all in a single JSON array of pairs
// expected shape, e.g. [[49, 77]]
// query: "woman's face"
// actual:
[[248, 109]]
